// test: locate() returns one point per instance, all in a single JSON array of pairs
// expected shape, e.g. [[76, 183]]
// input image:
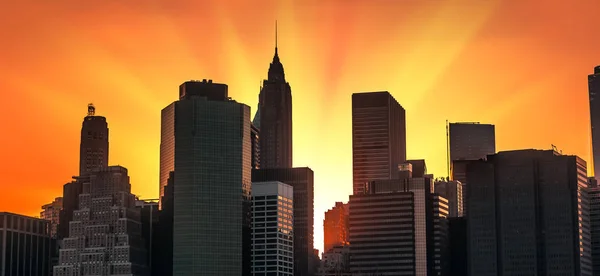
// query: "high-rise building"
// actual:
[[452, 191], [71, 192], [275, 117], [272, 229], [335, 226], [594, 97], [378, 137], [25, 245], [335, 262], [594, 194], [398, 227], [468, 142], [105, 235], [51, 212], [93, 152], [255, 142], [457, 236], [149, 215], [302, 181], [162, 258], [206, 142], [528, 213]]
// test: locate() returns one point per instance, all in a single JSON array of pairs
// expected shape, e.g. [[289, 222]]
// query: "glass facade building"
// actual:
[[335, 226], [378, 137], [529, 214], [25, 246], [272, 229]]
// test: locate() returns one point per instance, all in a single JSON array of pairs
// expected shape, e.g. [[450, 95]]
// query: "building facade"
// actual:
[[452, 191], [206, 142], [302, 181], [149, 219], [25, 245], [255, 143], [51, 212], [93, 152], [275, 116], [378, 137], [272, 229], [105, 235], [594, 195], [398, 227], [594, 97], [529, 213], [335, 227], [335, 262]]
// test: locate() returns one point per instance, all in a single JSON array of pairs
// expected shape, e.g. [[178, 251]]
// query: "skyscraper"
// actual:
[[594, 90], [51, 212], [302, 181], [452, 191], [206, 142], [275, 117], [105, 235], [335, 226], [594, 194], [25, 245], [93, 152], [378, 137], [398, 227], [272, 229], [528, 213]]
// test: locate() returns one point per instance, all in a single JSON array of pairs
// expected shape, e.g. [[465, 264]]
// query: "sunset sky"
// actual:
[[521, 65]]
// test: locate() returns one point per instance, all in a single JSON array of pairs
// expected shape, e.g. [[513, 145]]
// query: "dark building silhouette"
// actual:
[[93, 152], [206, 142], [25, 245], [162, 257], [399, 227], [594, 194], [302, 181], [467, 142], [255, 142], [378, 137], [528, 214], [594, 91], [335, 226], [452, 191], [275, 117], [149, 219], [457, 236]]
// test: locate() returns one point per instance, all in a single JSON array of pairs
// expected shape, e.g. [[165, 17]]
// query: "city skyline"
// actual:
[[132, 76]]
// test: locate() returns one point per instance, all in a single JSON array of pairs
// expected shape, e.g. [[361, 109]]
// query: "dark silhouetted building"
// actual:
[[105, 235], [468, 142], [51, 212], [452, 191], [594, 194], [93, 152], [399, 227], [149, 218], [378, 137], [302, 181], [457, 236], [594, 90], [162, 257], [275, 117], [206, 142], [25, 245], [335, 226], [528, 215], [272, 228]]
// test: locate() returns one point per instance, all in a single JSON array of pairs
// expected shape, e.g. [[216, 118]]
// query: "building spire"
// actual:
[[275, 37]]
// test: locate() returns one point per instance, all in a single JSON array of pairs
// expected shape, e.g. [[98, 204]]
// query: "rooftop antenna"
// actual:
[[91, 109], [275, 35]]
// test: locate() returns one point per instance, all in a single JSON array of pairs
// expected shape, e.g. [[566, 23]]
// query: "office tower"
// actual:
[[452, 191], [594, 91], [457, 236], [272, 228], [275, 117], [594, 195], [206, 142], [255, 142], [25, 245], [51, 212], [149, 215], [528, 213], [335, 262], [398, 227], [301, 179], [93, 150], [378, 137], [162, 262], [335, 226], [105, 234]]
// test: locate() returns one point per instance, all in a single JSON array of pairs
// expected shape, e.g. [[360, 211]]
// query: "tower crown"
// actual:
[[276, 72]]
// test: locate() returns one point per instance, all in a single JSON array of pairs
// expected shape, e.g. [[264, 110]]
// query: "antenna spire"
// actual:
[[275, 35]]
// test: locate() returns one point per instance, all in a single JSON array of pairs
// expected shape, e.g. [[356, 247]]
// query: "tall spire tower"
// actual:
[[275, 101]]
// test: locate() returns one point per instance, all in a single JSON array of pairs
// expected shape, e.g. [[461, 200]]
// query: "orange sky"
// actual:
[[521, 65]]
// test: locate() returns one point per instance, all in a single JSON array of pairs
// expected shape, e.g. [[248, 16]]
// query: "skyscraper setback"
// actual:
[[378, 137], [594, 90], [275, 117], [206, 142]]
